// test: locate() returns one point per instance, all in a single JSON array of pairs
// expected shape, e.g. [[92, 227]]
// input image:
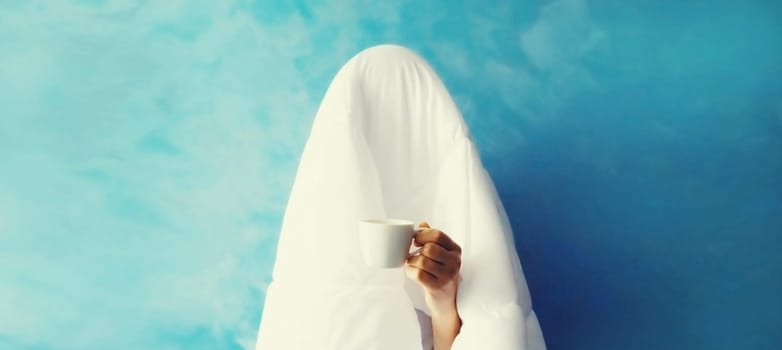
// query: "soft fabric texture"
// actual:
[[389, 142]]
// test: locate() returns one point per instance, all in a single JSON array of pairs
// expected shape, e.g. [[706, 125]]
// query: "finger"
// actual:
[[436, 236], [434, 268], [421, 276], [435, 252], [423, 225]]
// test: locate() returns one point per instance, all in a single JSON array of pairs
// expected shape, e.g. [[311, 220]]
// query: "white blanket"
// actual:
[[388, 141]]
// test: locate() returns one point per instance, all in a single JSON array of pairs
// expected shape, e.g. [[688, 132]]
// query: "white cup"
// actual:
[[385, 243]]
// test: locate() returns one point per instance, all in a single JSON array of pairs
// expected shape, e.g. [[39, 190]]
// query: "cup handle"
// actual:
[[417, 251]]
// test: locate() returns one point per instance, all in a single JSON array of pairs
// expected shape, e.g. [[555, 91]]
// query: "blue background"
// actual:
[[147, 150]]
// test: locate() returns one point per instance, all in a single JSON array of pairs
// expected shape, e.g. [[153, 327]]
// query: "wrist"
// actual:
[[446, 324], [442, 302], [445, 314], [442, 306]]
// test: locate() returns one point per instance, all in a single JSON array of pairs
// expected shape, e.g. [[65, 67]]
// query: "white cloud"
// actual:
[[562, 34], [515, 85], [112, 242], [556, 44], [453, 57]]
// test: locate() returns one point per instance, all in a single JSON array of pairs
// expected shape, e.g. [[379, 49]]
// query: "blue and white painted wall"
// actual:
[[147, 150]]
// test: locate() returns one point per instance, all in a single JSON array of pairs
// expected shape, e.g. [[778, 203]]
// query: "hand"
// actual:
[[436, 268]]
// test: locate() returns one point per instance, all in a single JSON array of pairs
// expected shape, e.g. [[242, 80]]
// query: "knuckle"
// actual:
[[427, 249], [429, 264], [449, 269], [416, 261], [440, 284]]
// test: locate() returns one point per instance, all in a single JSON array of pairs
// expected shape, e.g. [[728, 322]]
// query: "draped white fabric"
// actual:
[[388, 141]]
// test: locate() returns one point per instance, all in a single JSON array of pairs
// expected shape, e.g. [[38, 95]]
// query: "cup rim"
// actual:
[[388, 221]]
